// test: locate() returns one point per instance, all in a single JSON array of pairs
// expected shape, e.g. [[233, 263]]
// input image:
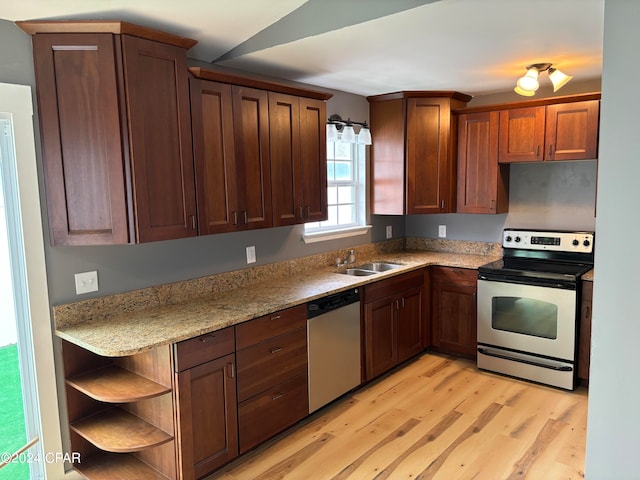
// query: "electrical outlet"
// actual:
[[389, 231], [442, 231], [251, 254], [86, 282]]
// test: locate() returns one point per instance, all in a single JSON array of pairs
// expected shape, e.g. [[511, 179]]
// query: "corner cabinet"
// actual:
[[453, 310], [483, 184], [560, 131], [413, 164], [120, 413], [395, 322], [118, 161]]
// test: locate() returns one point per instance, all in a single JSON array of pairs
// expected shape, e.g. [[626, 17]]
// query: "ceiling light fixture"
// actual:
[[336, 125], [528, 83]]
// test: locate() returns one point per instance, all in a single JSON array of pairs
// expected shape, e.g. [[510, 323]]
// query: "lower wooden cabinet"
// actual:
[[584, 341], [394, 322], [272, 375], [206, 404], [453, 310]]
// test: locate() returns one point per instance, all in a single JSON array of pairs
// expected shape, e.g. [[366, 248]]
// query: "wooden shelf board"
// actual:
[[116, 385], [120, 432], [108, 466]]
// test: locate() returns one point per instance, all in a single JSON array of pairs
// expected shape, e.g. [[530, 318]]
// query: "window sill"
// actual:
[[335, 234]]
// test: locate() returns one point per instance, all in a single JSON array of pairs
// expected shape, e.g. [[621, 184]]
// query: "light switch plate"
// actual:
[[86, 282], [389, 231], [251, 254], [442, 231]]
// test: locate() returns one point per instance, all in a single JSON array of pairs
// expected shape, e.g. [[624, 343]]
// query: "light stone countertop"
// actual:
[[129, 333]]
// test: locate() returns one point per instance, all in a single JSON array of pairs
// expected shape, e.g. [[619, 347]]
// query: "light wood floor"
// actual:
[[436, 418]]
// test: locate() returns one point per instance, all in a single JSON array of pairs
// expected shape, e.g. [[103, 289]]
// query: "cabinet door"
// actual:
[[286, 166], [81, 138], [429, 169], [572, 131], [313, 159], [453, 309], [213, 150], [483, 185], [411, 324], [159, 121], [207, 417], [522, 135], [381, 352], [251, 131]]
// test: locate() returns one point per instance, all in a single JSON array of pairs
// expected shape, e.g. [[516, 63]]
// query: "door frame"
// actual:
[[17, 101]]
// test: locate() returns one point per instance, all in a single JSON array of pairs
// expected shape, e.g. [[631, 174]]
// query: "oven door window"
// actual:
[[526, 316]]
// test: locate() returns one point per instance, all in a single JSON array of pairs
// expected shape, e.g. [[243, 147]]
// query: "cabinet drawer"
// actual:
[[263, 328], [271, 412], [204, 348], [455, 275], [271, 362], [393, 285]]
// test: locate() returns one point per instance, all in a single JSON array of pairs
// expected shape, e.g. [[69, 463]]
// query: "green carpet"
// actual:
[[12, 429]]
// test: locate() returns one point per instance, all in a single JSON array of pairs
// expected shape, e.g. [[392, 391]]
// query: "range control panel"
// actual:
[[581, 242]]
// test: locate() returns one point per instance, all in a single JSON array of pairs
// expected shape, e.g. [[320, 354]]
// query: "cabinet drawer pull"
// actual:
[[231, 370], [246, 220], [537, 150], [275, 350], [550, 151], [300, 212], [235, 218], [277, 396], [208, 337], [308, 211], [194, 225], [276, 317]]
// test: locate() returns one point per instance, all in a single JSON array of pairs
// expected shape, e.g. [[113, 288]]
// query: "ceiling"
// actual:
[[367, 47]]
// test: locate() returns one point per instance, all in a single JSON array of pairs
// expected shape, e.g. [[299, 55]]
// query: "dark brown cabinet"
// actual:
[[483, 184], [272, 375], [206, 403], [584, 341], [412, 167], [562, 131], [260, 152], [298, 159], [453, 310], [395, 325], [118, 161]]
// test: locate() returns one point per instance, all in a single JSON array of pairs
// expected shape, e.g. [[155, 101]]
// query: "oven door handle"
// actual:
[[559, 368]]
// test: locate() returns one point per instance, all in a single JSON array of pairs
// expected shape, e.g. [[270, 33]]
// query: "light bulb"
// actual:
[[558, 78]]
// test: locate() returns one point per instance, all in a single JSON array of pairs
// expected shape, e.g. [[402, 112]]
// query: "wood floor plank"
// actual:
[[438, 417]]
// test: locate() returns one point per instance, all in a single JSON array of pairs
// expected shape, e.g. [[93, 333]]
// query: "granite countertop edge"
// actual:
[[136, 332]]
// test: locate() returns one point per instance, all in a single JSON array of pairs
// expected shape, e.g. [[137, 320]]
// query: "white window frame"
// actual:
[[359, 227]]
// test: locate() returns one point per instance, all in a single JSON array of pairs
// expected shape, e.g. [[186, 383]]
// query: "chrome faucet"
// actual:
[[349, 259]]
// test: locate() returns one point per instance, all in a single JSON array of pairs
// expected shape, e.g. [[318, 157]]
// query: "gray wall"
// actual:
[[613, 429]]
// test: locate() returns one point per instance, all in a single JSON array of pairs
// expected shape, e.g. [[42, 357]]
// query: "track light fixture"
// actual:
[[336, 124], [528, 83]]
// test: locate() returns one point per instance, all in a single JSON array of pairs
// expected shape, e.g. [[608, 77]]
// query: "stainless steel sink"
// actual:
[[358, 272], [379, 266], [370, 268]]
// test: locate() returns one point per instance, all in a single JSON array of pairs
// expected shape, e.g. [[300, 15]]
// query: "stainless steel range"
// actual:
[[528, 305]]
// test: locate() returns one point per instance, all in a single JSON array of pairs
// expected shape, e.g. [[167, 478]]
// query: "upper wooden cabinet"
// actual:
[[260, 152], [412, 167], [483, 184], [115, 128], [562, 131], [298, 159]]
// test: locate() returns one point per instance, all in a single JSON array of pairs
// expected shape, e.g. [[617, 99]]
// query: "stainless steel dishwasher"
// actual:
[[333, 335]]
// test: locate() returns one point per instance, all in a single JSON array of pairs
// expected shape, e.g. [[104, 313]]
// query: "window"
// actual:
[[346, 175]]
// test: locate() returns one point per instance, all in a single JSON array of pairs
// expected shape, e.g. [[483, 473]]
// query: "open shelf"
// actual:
[[113, 384], [118, 431], [107, 466]]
